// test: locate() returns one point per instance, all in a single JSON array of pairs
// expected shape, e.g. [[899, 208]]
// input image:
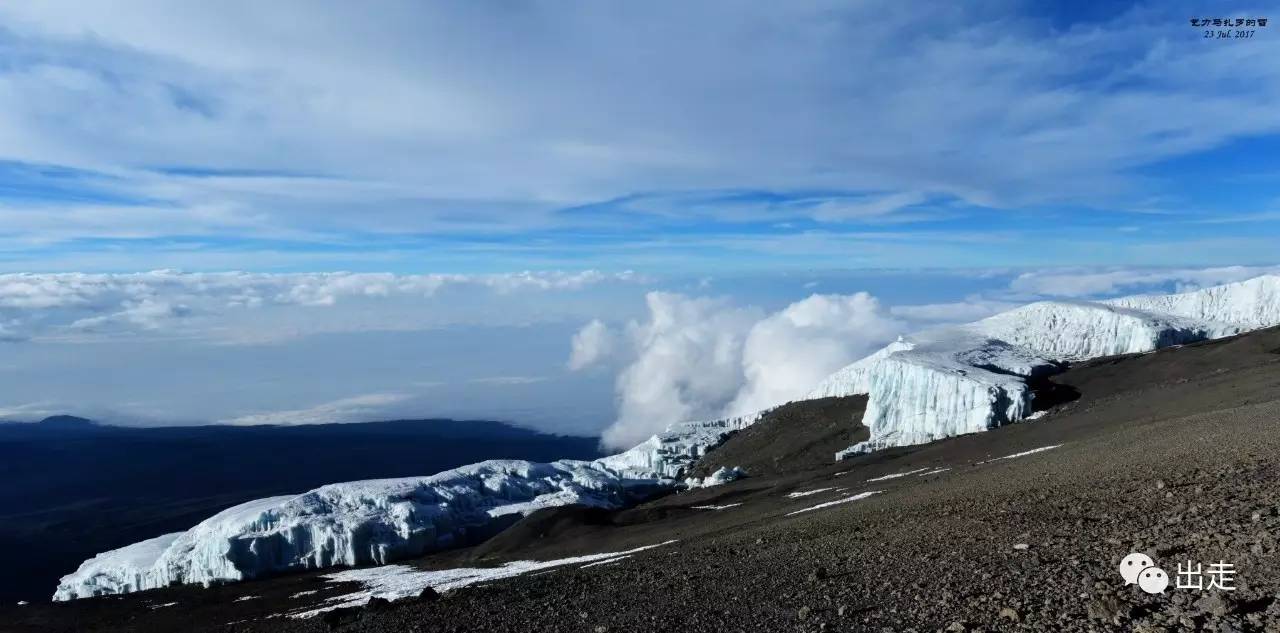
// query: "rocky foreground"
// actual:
[[1174, 453]]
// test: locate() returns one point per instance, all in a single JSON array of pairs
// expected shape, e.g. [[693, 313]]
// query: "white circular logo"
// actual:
[[1153, 580], [1132, 565]]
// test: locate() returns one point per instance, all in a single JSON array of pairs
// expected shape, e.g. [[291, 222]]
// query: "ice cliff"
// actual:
[[973, 377], [382, 520], [938, 384], [667, 454], [351, 523], [1250, 305]]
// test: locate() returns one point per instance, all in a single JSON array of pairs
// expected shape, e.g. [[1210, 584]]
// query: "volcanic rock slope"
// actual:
[[934, 385], [1172, 453]]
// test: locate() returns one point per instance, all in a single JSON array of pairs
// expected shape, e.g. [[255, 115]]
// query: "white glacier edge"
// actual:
[[929, 386], [382, 520], [972, 378], [352, 523]]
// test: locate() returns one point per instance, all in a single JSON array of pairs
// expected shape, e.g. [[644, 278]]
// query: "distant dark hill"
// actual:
[[72, 488], [66, 422]]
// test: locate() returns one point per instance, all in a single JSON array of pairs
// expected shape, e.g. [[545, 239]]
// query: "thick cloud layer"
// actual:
[[237, 306], [166, 347]]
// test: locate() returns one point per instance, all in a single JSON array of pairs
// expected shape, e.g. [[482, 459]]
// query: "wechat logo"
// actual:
[[1139, 569]]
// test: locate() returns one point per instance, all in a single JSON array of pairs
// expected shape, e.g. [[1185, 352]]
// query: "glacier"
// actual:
[[352, 523], [722, 476], [1080, 330], [668, 454], [382, 520], [1250, 304], [927, 386], [947, 382], [974, 377]]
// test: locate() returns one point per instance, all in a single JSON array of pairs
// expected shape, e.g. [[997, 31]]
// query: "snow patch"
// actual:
[[805, 493], [897, 475], [394, 582], [715, 507], [858, 497], [607, 561], [1022, 454]]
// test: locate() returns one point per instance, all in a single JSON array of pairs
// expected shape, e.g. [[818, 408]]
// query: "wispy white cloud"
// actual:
[[509, 380], [872, 207], [1085, 282], [362, 408], [28, 411], [146, 314], [237, 306], [452, 118], [591, 344], [972, 309]]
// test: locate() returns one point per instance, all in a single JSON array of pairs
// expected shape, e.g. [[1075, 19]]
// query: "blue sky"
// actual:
[[756, 152]]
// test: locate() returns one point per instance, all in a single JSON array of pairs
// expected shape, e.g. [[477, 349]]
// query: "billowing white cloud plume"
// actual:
[[687, 364], [790, 352], [700, 358]]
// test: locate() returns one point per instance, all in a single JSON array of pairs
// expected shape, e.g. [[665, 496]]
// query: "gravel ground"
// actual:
[[1174, 454], [794, 437]]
